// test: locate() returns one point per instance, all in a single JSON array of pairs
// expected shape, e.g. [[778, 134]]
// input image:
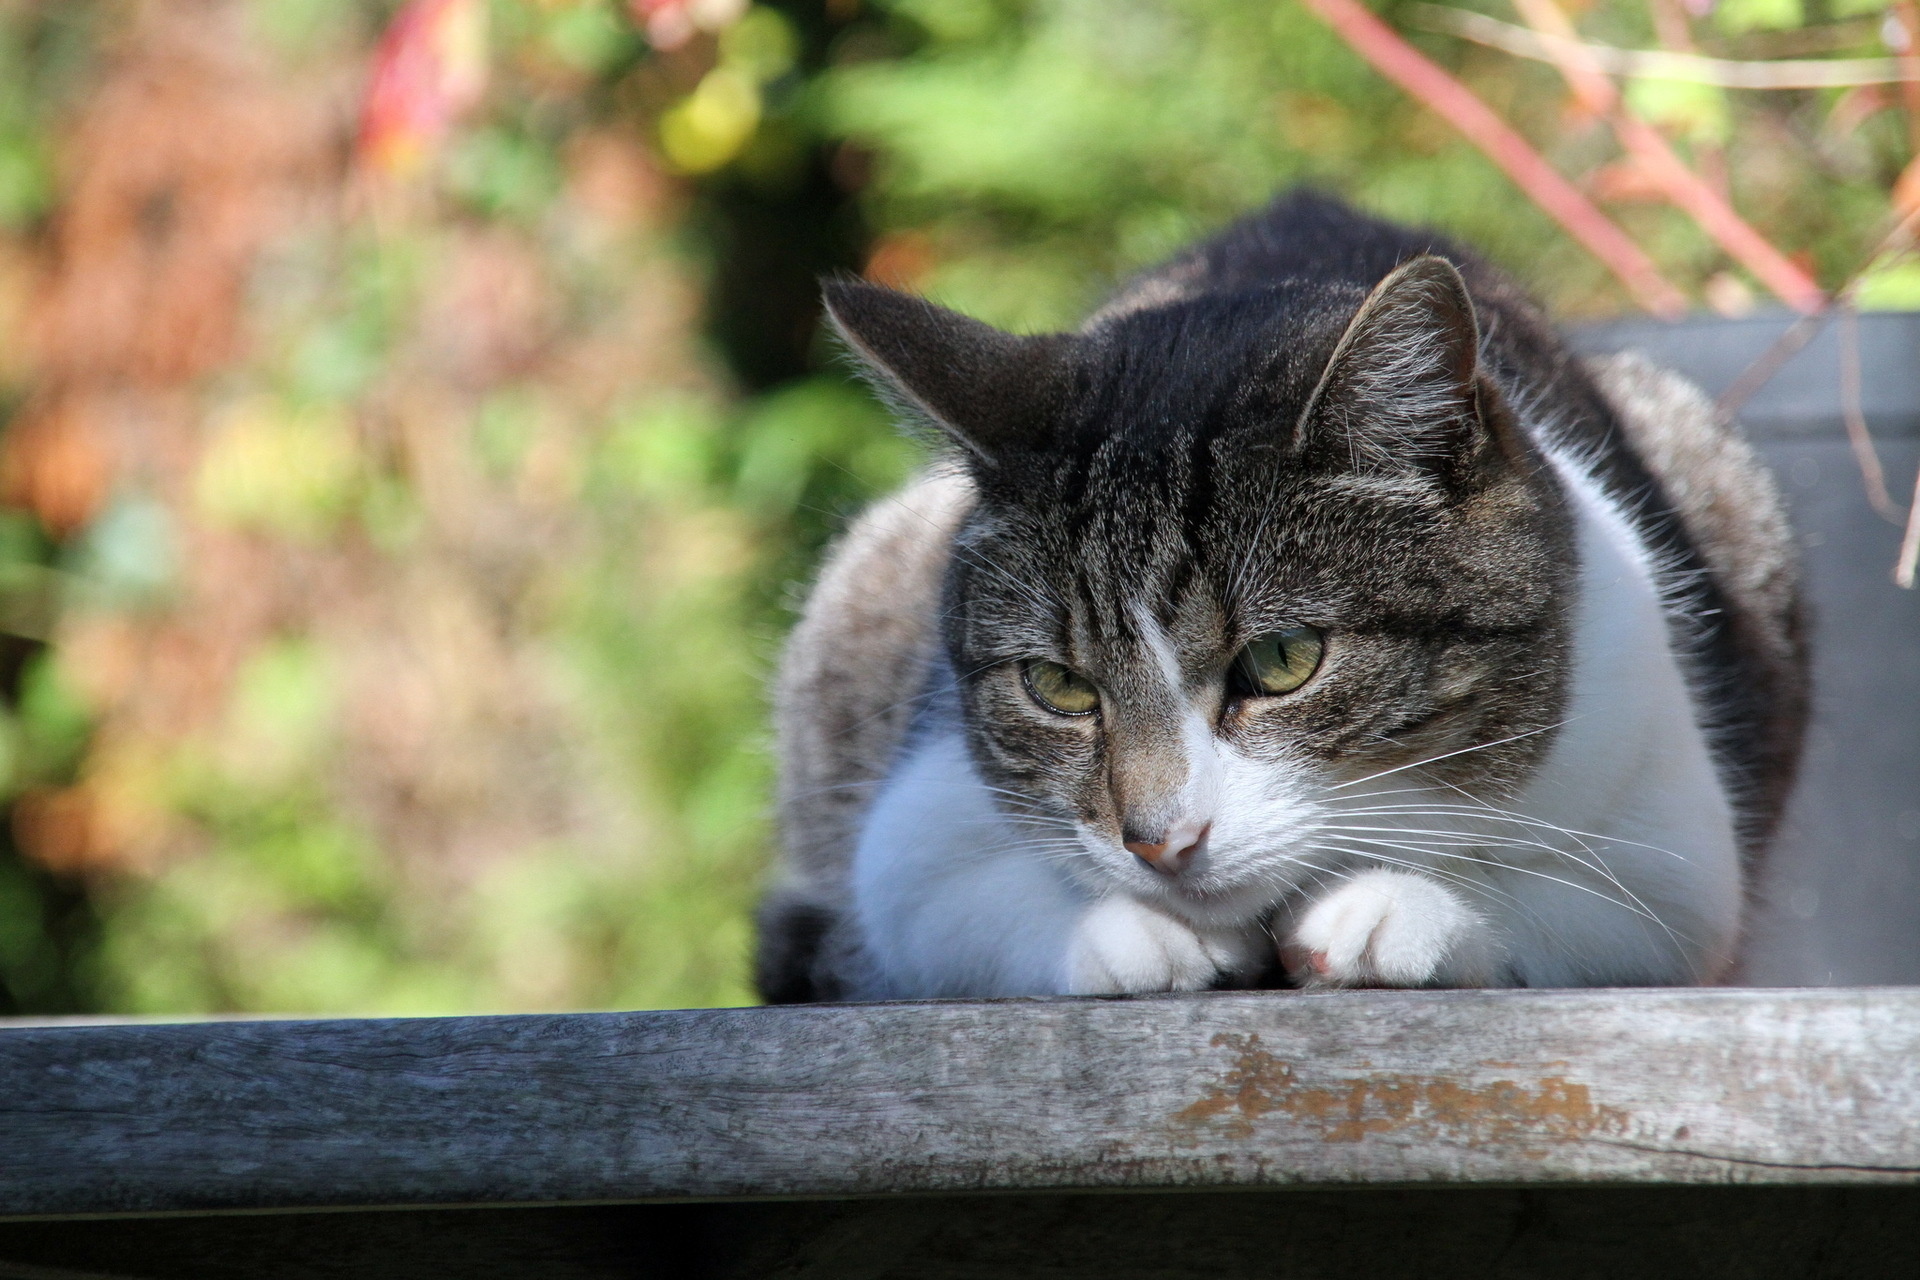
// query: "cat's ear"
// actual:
[[1403, 393], [988, 390]]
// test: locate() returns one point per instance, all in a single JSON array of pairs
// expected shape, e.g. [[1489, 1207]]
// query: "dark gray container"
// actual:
[[1839, 903]]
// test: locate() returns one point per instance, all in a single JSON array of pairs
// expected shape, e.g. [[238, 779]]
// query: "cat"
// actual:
[[1309, 617]]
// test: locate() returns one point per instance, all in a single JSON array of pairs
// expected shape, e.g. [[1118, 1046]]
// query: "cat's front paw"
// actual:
[[1123, 945], [1390, 929]]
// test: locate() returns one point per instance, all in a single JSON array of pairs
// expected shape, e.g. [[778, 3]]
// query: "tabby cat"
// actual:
[[1308, 617]]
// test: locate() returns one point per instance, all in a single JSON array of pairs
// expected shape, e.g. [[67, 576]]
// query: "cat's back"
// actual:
[[1302, 235], [1305, 237]]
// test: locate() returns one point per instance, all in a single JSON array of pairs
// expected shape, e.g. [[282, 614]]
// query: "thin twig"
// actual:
[[1761, 370], [1872, 475], [1802, 331], [1693, 68], [1683, 187], [1909, 562], [1675, 32], [1670, 25], [1803, 42], [1401, 63], [1908, 19], [1758, 374]]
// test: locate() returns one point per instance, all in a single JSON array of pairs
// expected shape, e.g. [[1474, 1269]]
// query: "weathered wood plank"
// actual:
[[1687, 1086]]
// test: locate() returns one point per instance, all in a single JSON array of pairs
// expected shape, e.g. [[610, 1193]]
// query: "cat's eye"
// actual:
[[1280, 661], [1060, 689]]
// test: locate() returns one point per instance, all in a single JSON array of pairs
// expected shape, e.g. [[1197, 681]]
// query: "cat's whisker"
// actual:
[[1474, 839], [1507, 815], [1634, 906], [1518, 904], [1466, 883], [1049, 852], [1460, 840], [1463, 881], [1429, 848], [1449, 755], [1479, 845]]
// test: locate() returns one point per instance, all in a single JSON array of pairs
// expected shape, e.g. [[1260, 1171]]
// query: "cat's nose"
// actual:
[[1172, 855]]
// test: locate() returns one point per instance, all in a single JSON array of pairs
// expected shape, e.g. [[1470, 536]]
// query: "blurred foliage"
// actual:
[[417, 422]]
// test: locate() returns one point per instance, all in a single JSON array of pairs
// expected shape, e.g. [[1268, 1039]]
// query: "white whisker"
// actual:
[[1479, 746]]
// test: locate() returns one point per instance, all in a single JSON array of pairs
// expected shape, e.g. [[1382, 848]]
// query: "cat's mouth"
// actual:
[[1205, 890]]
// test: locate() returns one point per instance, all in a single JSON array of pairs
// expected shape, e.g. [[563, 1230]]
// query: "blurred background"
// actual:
[[415, 428]]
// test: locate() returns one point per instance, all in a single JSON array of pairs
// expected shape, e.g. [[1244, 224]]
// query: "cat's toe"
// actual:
[[1123, 945], [1389, 929]]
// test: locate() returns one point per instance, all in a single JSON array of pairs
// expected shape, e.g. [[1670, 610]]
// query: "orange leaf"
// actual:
[[55, 463], [1625, 182], [1906, 191], [57, 828]]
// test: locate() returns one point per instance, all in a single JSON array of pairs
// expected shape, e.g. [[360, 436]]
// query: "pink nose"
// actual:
[[1171, 857]]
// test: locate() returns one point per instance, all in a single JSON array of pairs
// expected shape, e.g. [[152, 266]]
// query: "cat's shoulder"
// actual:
[[859, 655], [1723, 490], [847, 692]]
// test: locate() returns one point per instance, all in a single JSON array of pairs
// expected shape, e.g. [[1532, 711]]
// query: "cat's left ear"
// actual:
[[1403, 394], [989, 391]]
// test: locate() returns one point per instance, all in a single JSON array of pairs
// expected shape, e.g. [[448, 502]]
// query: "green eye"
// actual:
[[1058, 689], [1280, 661]]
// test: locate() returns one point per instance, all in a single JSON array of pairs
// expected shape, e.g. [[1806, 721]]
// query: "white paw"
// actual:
[[1390, 929], [1122, 945]]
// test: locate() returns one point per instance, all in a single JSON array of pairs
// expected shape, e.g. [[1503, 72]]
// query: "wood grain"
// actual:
[[1240, 1090]]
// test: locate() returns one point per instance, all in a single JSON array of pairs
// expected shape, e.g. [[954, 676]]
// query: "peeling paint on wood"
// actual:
[[1551, 1110]]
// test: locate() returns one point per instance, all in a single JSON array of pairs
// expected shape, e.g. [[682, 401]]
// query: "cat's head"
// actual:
[[1231, 557]]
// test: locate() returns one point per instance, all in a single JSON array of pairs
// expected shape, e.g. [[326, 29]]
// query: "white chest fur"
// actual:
[[1631, 765]]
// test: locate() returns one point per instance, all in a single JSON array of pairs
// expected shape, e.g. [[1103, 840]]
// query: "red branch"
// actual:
[[1656, 158], [1401, 63]]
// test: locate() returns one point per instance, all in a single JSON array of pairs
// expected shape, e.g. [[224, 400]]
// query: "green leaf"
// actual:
[[1735, 16], [1894, 287]]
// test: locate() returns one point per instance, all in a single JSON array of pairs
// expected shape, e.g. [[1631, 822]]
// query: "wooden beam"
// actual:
[[1226, 1090]]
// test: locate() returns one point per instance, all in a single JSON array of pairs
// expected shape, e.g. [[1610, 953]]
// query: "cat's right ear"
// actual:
[[988, 390], [1404, 394]]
